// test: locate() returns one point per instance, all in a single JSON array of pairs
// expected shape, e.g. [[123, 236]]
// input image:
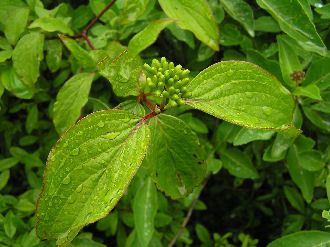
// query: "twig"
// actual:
[[188, 216], [84, 32]]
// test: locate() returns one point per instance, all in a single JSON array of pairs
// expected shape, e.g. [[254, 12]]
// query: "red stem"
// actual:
[[84, 32]]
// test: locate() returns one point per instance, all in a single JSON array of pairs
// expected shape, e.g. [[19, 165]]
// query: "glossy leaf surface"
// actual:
[[88, 171], [172, 159], [70, 99], [242, 93], [294, 19], [303, 239], [195, 16]]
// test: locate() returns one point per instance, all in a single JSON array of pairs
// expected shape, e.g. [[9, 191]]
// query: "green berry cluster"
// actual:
[[166, 81]]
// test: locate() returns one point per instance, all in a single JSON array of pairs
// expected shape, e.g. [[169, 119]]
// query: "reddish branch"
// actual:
[[84, 32]]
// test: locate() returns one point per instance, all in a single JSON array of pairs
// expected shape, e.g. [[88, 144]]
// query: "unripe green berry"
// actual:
[[172, 90], [165, 94], [184, 89], [175, 97], [160, 85], [150, 82], [172, 103], [171, 65], [185, 72], [180, 102], [187, 94], [170, 81], [164, 62], [177, 90], [158, 93], [176, 77], [155, 63]]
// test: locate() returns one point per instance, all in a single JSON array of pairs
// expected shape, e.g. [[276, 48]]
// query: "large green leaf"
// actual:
[[120, 67], [13, 16], [27, 56], [147, 36], [195, 16], [294, 19], [172, 158], [241, 12], [88, 171], [70, 99], [303, 239], [242, 93], [144, 210]]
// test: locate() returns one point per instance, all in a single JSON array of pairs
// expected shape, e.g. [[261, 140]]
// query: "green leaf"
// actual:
[[266, 24], [327, 185], [144, 211], [203, 234], [32, 119], [311, 160], [13, 16], [172, 159], [293, 18], [182, 35], [13, 84], [311, 91], [195, 16], [294, 198], [88, 171], [278, 149], [4, 177], [242, 93], [318, 73], [79, 53], [5, 55], [70, 100], [303, 239], [289, 61], [7, 163], [241, 12], [245, 136], [147, 36], [238, 163], [303, 179], [27, 56], [54, 54], [324, 11], [51, 24], [9, 224], [120, 67], [214, 165]]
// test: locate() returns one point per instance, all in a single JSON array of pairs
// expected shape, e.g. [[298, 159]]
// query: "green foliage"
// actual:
[[226, 146]]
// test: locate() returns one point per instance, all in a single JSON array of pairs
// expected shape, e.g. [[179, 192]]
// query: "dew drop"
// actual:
[[65, 144], [79, 188], [72, 199], [112, 135], [75, 152], [267, 110], [66, 180], [100, 124]]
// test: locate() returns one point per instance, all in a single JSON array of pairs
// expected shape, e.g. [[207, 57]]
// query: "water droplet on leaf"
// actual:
[[100, 124], [112, 135], [66, 180], [79, 188], [75, 151]]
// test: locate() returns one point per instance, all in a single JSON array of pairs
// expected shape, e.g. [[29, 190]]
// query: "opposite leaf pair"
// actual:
[[92, 164]]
